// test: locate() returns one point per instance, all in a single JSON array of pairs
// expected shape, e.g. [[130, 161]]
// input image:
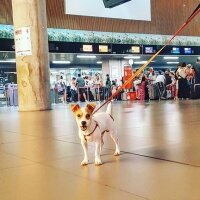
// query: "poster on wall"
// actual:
[[114, 72], [120, 9], [23, 45]]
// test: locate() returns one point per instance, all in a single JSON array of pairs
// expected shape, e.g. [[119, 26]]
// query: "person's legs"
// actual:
[[64, 96], [163, 89], [84, 95], [73, 95]]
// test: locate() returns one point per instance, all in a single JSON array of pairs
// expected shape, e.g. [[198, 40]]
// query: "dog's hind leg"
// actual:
[[84, 145], [102, 143], [113, 135]]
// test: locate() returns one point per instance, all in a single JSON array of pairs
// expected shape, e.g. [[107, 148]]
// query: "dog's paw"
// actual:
[[117, 153], [98, 162], [84, 162]]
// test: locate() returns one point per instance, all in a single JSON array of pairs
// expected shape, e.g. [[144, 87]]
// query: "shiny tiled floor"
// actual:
[[40, 154]]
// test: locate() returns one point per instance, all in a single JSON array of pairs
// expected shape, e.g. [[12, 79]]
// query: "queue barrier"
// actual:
[[99, 92]]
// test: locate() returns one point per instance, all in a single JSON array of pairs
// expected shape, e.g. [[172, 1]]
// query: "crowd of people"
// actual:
[[85, 88], [177, 84], [151, 84]]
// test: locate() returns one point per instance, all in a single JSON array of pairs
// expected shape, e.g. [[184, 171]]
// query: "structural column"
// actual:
[[31, 48], [114, 68]]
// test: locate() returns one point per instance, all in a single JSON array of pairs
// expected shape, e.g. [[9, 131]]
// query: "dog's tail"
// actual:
[[109, 108]]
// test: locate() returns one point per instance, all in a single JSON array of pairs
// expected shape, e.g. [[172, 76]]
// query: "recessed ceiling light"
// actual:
[[143, 62], [132, 57], [140, 62], [170, 57], [61, 62], [86, 56], [99, 62], [172, 63], [8, 61]]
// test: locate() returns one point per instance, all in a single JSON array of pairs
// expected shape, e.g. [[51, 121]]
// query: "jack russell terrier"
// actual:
[[92, 128]]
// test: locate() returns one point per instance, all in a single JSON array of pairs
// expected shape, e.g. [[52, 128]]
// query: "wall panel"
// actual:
[[167, 16]]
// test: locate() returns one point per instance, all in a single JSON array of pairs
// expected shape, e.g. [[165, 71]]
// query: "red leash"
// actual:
[[120, 88]]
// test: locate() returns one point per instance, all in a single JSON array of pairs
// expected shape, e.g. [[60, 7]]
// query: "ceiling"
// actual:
[[74, 61]]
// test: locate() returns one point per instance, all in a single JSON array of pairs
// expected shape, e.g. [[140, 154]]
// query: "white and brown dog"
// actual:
[[92, 128]]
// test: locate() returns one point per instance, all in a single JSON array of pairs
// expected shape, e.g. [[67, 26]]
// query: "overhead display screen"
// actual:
[[148, 50], [188, 50], [120, 9], [87, 48], [135, 49], [103, 48], [176, 50]]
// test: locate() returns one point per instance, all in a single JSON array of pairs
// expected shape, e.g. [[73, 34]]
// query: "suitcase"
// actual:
[[195, 91], [153, 92], [91, 96]]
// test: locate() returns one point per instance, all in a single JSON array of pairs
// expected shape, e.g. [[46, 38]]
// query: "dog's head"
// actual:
[[83, 115]]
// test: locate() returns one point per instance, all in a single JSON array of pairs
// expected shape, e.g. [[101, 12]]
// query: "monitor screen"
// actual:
[[148, 49], [176, 50], [135, 49], [87, 48], [103, 48], [188, 50]]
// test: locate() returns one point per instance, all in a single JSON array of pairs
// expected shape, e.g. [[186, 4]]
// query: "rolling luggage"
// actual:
[[195, 91], [90, 96], [153, 92]]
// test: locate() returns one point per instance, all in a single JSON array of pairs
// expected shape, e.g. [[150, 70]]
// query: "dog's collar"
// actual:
[[92, 131]]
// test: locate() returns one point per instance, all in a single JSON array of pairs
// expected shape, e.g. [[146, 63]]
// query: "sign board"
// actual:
[[127, 74], [114, 72], [23, 45], [133, 10]]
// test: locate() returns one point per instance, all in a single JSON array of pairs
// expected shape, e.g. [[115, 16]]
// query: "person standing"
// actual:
[[80, 83], [98, 85], [63, 89], [160, 81], [183, 87], [197, 71], [73, 89], [108, 86]]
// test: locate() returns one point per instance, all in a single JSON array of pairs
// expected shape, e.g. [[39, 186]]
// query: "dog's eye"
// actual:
[[87, 116], [78, 115]]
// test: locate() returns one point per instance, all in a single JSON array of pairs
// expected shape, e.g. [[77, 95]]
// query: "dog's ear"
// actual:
[[74, 107], [90, 107]]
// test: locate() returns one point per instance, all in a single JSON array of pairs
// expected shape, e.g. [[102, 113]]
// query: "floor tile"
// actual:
[[40, 182]]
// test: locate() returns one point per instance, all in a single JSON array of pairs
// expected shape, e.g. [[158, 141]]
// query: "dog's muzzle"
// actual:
[[84, 125], [83, 128]]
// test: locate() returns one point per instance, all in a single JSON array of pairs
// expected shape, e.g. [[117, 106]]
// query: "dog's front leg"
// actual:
[[97, 153], [84, 145]]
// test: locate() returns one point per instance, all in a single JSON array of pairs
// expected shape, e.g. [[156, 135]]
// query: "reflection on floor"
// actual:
[[40, 154]]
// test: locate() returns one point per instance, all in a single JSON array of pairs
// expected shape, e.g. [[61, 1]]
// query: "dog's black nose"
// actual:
[[83, 123]]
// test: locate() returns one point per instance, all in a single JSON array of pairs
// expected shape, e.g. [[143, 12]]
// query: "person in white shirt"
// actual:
[[73, 89], [160, 82], [151, 77]]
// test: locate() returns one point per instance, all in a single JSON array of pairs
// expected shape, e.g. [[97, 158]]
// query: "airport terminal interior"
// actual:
[[59, 55]]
